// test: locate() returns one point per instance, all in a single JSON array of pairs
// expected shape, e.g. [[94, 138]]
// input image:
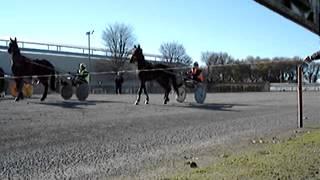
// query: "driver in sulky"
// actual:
[[196, 73], [83, 74]]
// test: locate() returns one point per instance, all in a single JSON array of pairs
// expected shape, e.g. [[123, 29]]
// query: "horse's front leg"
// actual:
[[19, 86], [166, 96], [167, 92], [139, 93], [146, 93], [46, 85]]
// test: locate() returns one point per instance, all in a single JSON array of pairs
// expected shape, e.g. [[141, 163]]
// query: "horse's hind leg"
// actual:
[[165, 84], [146, 93], [139, 92], [46, 85], [19, 86], [166, 95]]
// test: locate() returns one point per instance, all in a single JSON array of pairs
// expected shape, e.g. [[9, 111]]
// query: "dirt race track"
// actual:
[[109, 137]]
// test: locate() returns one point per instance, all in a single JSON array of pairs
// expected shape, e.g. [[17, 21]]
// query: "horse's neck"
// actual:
[[143, 64], [17, 58]]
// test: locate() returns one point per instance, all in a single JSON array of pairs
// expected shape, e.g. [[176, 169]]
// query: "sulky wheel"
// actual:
[[182, 94], [82, 92], [200, 93], [66, 92]]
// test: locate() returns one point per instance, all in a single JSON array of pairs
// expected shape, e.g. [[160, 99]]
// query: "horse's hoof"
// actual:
[[146, 102], [136, 103], [42, 99]]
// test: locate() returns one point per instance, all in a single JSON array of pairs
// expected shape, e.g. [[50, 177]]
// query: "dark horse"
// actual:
[[1, 81], [148, 72], [23, 67]]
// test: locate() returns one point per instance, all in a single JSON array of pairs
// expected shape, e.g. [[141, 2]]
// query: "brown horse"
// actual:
[[23, 67], [148, 72]]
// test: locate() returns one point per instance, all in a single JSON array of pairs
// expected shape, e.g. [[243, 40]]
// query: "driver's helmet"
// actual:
[[195, 64], [82, 66]]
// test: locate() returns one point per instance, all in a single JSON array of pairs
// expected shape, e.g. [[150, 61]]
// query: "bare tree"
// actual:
[[173, 52], [311, 72], [213, 58], [118, 39], [218, 73]]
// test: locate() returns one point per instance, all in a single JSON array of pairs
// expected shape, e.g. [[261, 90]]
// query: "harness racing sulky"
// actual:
[[71, 83]]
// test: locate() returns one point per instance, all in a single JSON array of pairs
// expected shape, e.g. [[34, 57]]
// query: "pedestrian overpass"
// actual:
[[65, 57], [306, 13]]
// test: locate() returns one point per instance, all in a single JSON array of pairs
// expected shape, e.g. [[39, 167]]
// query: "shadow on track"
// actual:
[[75, 104], [9, 97], [6, 98], [212, 106]]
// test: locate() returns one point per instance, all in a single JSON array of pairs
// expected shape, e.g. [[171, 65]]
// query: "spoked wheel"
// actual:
[[200, 93], [182, 94], [66, 92], [82, 92]]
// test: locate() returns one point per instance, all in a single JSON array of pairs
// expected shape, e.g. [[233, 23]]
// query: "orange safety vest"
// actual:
[[197, 71]]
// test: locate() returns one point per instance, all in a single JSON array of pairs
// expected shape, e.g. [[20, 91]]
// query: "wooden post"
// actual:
[[299, 91]]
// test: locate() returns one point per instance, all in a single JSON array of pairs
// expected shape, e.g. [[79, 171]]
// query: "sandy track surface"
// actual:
[[109, 137]]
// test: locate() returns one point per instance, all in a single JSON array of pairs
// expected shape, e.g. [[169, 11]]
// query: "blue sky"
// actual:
[[238, 27]]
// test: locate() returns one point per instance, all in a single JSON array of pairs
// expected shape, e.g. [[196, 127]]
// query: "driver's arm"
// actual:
[[84, 73]]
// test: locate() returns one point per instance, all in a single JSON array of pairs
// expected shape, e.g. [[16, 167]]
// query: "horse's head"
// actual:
[[13, 46], [137, 54]]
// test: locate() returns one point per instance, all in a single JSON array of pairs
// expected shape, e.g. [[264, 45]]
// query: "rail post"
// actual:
[[299, 93]]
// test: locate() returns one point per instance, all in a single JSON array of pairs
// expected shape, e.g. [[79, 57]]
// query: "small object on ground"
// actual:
[[224, 155], [275, 140], [192, 164], [261, 141]]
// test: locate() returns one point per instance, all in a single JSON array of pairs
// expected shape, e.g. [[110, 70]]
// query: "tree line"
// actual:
[[221, 67]]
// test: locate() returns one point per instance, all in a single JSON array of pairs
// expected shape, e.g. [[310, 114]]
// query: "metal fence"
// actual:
[[50, 48]]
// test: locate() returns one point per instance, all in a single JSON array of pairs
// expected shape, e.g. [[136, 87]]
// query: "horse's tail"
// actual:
[[53, 80], [174, 83]]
